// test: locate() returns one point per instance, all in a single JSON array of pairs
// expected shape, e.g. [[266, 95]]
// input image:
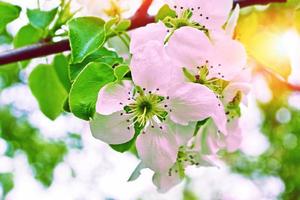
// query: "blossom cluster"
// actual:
[[182, 104]]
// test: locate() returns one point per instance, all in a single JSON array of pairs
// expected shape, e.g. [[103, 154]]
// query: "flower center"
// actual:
[[146, 107]]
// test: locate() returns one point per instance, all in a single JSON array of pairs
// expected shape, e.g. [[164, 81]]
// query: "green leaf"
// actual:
[[41, 19], [121, 71], [123, 25], [9, 74], [47, 89], [102, 55], [84, 91], [27, 35], [6, 182], [8, 13], [87, 34], [61, 66], [137, 172], [164, 12], [5, 38]]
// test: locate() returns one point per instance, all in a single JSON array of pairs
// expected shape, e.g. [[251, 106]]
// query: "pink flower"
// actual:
[[212, 14], [165, 109], [224, 57]]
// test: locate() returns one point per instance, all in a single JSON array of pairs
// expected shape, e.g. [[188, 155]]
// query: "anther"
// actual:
[[168, 97], [128, 128], [166, 106], [121, 114], [144, 89], [181, 7], [157, 89], [207, 18], [121, 103]]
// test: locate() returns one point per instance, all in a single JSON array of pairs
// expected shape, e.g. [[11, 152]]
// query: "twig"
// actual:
[[141, 18]]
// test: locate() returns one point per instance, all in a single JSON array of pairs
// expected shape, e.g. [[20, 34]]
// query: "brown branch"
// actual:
[[279, 79], [141, 18]]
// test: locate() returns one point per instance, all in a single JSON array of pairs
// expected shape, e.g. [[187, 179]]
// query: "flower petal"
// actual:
[[113, 97], [232, 89], [212, 14], [112, 129], [164, 182], [194, 102], [228, 58], [151, 32], [188, 47], [157, 148], [234, 138], [151, 68], [232, 21], [182, 133]]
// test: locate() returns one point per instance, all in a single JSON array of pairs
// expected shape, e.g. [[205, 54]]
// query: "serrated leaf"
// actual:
[[8, 13], [61, 66], [102, 55], [87, 34], [164, 12], [85, 89], [120, 71], [47, 89], [41, 19]]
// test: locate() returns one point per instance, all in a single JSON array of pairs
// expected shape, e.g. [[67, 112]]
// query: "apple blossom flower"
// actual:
[[212, 14], [109, 8], [164, 109]]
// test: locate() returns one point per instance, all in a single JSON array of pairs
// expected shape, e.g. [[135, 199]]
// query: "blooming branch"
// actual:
[[140, 18]]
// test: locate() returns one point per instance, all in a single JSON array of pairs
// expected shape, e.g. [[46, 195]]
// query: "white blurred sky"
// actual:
[[102, 172]]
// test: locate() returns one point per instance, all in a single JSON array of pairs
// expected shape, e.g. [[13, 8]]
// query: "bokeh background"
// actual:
[[42, 159]]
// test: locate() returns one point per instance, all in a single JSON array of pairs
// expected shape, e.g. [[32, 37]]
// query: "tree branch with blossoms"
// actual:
[[141, 18], [173, 98]]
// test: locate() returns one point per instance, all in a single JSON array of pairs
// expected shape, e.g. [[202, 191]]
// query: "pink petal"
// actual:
[[228, 58], [194, 102], [113, 97], [234, 138], [112, 129], [151, 32], [188, 47], [164, 182], [151, 68], [232, 21], [212, 14], [157, 148], [239, 83], [232, 89], [182, 133]]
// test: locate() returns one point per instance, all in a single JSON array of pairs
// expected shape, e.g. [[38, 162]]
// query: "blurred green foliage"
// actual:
[[43, 155]]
